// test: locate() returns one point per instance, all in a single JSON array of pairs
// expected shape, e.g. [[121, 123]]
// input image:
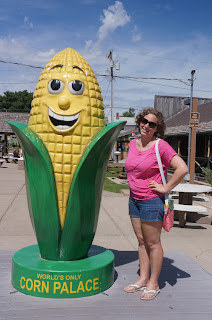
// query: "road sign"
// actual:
[[194, 119]]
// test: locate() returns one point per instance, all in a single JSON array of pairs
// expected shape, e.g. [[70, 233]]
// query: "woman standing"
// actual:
[[146, 202]]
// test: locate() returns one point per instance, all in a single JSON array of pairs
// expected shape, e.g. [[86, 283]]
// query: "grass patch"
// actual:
[[112, 186]]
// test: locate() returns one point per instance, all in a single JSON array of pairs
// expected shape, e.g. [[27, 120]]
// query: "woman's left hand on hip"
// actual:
[[156, 186]]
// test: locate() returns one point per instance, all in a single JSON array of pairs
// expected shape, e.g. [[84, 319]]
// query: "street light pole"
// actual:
[[117, 67], [110, 57], [189, 136]]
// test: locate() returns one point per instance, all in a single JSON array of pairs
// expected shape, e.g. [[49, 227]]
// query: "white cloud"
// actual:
[[28, 23], [89, 45], [115, 16], [12, 49], [146, 59], [136, 36], [47, 54]]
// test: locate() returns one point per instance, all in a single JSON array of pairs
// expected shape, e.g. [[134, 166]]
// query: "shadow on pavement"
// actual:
[[190, 227], [169, 273], [124, 257]]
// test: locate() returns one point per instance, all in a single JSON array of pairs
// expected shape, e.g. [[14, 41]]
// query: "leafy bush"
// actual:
[[208, 174]]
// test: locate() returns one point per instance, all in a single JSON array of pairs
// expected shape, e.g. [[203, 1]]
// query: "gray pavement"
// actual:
[[185, 279], [114, 230]]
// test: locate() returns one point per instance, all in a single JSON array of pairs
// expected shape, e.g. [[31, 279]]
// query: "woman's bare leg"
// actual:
[[151, 233], [142, 254]]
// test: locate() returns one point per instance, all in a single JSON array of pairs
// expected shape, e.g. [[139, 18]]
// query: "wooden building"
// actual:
[[171, 105], [6, 132], [177, 132]]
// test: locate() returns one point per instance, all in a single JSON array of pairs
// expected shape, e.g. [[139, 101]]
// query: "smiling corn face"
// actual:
[[67, 111]]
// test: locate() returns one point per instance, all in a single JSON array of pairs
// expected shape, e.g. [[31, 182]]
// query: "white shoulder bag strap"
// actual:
[[159, 162], [161, 168]]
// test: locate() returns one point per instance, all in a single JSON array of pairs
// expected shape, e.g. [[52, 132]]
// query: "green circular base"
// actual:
[[62, 279]]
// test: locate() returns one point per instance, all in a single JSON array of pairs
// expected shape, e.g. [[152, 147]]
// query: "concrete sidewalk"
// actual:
[[114, 230], [186, 288]]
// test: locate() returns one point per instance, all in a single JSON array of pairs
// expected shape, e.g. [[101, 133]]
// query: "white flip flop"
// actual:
[[154, 292], [136, 288]]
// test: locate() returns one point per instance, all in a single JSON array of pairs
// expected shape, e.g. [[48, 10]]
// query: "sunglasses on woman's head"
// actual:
[[152, 124]]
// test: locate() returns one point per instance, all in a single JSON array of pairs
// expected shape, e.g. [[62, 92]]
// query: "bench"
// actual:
[[182, 209], [122, 175], [116, 165], [7, 158], [195, 198], [1, 162], [113, 172]]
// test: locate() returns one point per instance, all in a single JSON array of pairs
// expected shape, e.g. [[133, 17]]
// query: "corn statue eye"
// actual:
[[76, 87], [55, 86]]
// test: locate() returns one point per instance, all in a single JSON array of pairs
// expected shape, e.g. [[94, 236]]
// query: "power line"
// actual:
[[202, 90], [159, 57], [21, 64], [164, 85], [157, 84], [123, 108], [107, 90], [145, 78], [138, 79], [108, 113], [149, 78], [100, 75], [16, 82]]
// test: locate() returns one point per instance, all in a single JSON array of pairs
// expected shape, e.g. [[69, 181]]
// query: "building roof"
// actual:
[[179, 123], [11, 116], [128, 133], [130, 120]]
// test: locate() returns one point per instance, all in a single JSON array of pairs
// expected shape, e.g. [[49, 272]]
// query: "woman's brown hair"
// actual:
[[161, 127]]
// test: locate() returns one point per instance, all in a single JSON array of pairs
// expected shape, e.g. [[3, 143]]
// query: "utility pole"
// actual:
[[117, 67], [110, 57], [190, 128], [194, 124]]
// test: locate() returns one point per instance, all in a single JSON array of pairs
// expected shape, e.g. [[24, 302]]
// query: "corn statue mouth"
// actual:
[[62, 122]]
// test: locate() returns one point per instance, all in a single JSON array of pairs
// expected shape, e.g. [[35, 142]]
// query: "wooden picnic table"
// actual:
[[7, 158], [186, 192], [116, 165]]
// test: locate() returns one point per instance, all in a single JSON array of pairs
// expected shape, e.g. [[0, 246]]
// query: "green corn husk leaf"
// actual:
[[41, 191], [85, 194]]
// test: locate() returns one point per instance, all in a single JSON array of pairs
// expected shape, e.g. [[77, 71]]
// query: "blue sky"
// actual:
[[150, 39]]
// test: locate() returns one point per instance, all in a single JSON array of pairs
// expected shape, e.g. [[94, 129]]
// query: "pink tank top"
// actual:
[[142, 166]]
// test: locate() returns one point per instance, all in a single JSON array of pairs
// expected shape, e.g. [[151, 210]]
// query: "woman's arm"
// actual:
[[180, 170]]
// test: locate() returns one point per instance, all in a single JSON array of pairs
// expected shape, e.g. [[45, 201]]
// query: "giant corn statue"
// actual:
[[66, 149], [67, 111]]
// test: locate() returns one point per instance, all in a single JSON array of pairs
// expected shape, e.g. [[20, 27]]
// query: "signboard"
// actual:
[[194, 119]]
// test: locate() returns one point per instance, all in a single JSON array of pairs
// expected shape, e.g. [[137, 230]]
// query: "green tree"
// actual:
[[130, 113], [16, 101]]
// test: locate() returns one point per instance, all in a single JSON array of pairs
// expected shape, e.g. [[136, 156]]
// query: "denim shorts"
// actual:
[[148, 210]]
